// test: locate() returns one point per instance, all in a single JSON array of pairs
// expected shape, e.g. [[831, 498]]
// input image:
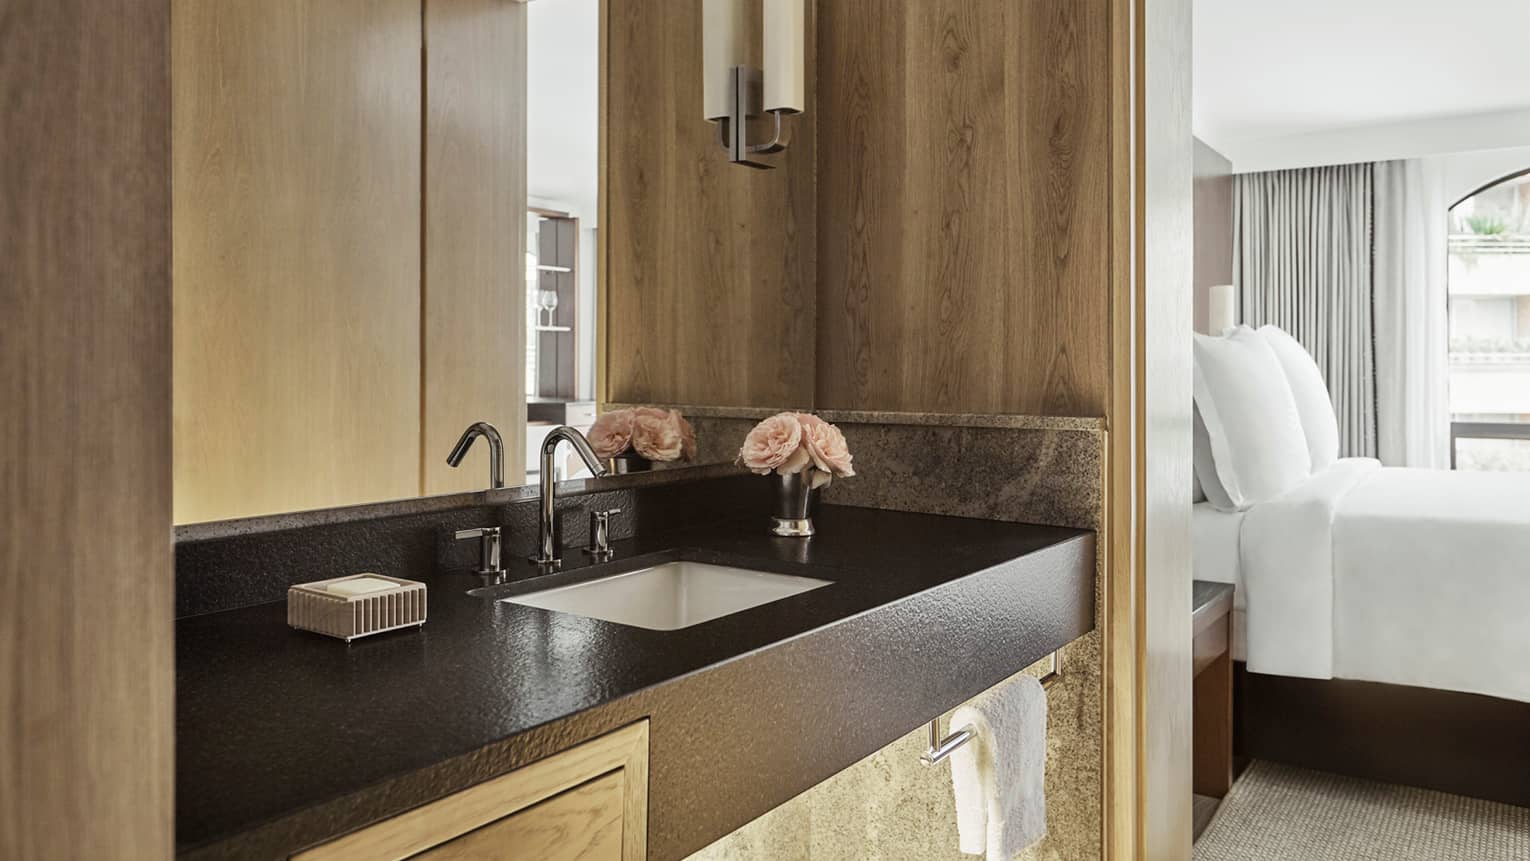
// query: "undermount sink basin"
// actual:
[[670, 596]]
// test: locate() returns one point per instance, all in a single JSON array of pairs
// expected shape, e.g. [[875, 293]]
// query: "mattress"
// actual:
[[1214, 557]]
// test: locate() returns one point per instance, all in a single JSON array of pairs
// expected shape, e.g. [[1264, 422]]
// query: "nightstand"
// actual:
[[1211, 648]]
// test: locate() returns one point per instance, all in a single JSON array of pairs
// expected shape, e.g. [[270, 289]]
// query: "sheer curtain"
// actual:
[[1412, 349], [1302, 261]]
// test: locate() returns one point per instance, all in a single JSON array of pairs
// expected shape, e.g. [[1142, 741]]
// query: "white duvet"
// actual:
[[1405, 576]]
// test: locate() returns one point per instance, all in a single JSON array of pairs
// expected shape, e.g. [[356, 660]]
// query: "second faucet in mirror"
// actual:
[[496, 451]]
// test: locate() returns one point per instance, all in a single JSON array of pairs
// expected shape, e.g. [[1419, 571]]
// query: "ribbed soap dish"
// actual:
[[356, 605]]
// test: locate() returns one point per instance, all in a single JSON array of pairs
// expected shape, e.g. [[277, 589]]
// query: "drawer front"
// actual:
[[582, 824]]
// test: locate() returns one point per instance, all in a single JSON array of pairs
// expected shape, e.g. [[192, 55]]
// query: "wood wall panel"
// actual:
[[963, 206], [710, 266], [86, 693], [1164, 218], [297, 254], [475, 237]]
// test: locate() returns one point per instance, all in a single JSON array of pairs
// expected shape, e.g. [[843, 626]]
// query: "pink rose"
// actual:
[[775, 444], [687, 437], [656, 434], [611, 433], [826, 446]]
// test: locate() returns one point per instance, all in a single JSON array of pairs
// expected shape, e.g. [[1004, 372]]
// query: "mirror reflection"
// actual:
[[382, 235]]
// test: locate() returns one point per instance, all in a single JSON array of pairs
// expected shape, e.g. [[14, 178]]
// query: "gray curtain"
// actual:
[[1302, 259]]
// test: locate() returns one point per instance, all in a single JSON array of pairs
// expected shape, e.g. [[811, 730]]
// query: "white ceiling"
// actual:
[[563, 103], [1267, 70]]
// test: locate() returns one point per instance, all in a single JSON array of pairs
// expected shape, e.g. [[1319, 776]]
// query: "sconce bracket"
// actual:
[[744, 100]]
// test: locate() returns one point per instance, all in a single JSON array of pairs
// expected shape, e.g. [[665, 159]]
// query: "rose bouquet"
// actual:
[[648, 433], [805, 453]]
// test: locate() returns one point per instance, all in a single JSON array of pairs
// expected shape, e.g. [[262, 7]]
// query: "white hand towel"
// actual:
[[1000, 775]]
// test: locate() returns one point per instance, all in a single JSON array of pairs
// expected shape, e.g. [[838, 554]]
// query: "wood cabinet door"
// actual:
[[588, 803], [582, 824]]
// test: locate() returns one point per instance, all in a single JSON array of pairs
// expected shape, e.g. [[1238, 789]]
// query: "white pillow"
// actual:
[[1252, 425], [1313, 404], [1208, 485]]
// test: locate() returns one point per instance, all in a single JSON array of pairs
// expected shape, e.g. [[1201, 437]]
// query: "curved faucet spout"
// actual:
[[496, 451], [562, 433]]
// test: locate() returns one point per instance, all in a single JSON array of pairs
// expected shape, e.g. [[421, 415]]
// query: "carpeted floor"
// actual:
[[1279, 813]]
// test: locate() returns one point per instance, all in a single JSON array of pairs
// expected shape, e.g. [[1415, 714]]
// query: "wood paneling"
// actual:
[[710, 279], [1148, 654], [297, 254], [1122, 808], [964, 206], [86, 692], [1161, 428], [523, 796], [475, 236], [1213, 226]]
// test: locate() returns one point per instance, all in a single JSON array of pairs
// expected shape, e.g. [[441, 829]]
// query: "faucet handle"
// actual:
[[600, 533], [488, 547]]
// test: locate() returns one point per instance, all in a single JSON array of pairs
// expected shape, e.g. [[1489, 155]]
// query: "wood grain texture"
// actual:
[[1213, 718], [297, 254], [581, 824], [86, 741], [709, 288], [475, 237], [1213, 226], [1122, 718], [1164, 229], [964, 206], [624, 751]]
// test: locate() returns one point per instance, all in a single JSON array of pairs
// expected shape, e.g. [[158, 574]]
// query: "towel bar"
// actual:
[[940, 748]]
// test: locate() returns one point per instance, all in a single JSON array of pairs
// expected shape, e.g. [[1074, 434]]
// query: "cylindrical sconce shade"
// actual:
[[784, 34], [1221, 309], [722, 48]]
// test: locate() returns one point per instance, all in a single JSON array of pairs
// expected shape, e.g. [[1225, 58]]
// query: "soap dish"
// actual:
[[356, 605]]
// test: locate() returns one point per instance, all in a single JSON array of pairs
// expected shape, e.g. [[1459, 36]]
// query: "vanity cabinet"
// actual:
[[588, 803]]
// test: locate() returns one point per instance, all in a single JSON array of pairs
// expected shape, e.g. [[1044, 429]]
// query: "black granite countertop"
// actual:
[[286, 738]]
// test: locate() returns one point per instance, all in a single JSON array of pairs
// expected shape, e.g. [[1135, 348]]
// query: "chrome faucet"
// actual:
[[496, 451], [549, 545]]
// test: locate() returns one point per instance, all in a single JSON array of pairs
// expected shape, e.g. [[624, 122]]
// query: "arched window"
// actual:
[[1490, 327]]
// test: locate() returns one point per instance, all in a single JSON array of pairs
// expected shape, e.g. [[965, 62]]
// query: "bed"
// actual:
[[1381, 614], [1404, 576]]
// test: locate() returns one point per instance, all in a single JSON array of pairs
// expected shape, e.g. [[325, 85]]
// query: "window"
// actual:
[[1490, 328]]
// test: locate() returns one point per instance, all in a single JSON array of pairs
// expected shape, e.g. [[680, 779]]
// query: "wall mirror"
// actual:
[[386, 228]]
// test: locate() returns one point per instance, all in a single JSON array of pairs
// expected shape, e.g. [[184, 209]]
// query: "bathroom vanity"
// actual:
[[657, 741]]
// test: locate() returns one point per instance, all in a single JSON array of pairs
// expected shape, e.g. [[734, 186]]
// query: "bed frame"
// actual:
[[1465, 744]]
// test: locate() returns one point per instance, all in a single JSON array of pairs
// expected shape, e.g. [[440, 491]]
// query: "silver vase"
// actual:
[[628, 462], [794, 506]]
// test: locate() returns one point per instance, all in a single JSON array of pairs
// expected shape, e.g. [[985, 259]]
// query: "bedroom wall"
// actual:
[[1467, 172], [1213, 226]]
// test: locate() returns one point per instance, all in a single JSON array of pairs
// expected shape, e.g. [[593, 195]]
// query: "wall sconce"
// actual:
[[734, 91]]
